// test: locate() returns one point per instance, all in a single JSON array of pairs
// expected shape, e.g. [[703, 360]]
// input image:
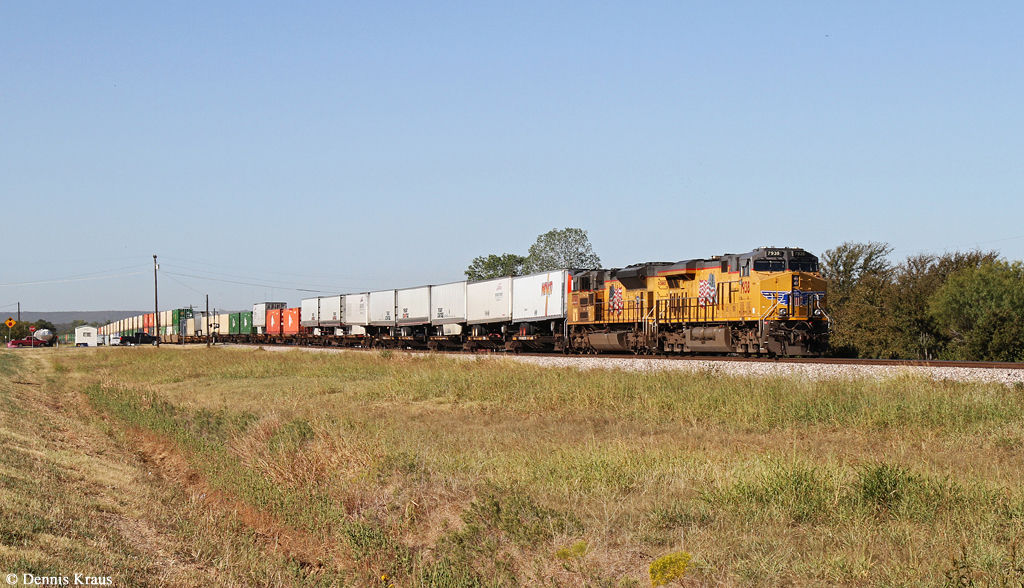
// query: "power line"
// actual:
[[251, 284], [183, 284], [272, 272], [71, 280], [265, 282]]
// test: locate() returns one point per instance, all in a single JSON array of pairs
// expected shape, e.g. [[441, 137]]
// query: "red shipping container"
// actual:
[[290, 320], [274, 321], [147, 321]]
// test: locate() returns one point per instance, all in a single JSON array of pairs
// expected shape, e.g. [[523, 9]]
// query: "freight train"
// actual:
[[770, 301]]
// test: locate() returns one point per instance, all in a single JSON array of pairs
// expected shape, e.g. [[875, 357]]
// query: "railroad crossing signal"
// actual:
[[10, 323]]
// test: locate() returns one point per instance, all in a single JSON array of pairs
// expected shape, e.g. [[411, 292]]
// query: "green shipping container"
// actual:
[[246, 324], [234, 320]]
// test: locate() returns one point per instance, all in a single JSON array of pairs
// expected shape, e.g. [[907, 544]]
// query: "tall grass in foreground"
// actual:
[[431, 471]]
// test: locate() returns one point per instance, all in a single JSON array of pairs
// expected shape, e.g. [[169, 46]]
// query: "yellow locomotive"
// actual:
[[770, 301]]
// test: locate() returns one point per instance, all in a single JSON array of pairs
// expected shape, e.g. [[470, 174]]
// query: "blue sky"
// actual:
[[357, 146]]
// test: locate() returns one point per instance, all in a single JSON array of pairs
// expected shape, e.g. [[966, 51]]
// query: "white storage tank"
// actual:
[[310, 312], [448, 303], [539, 296], [489, 301], [332, 311], [382, 308], [412, 306]]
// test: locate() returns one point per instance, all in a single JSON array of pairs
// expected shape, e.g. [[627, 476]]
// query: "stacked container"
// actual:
[[357, 312], [448, 303], [382, 308], [539, 297], [245, 323], [489, 301], [332, 311], [224, 322], [259, 314], [290, 320], [309, 314], [448, 307], [412, 306], [273, 321]]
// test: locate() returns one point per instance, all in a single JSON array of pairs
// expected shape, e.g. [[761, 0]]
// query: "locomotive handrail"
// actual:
[[775, 304]]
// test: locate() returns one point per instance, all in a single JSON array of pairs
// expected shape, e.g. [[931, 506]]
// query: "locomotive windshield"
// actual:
[[779, 265], [803, 266], [769, 265]]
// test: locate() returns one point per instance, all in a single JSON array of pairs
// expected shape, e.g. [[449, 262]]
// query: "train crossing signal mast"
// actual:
[[156, 303]]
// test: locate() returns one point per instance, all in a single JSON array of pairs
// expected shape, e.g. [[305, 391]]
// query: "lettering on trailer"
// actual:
[[440, 313], [498, 294], [547, 288], [405, 313]]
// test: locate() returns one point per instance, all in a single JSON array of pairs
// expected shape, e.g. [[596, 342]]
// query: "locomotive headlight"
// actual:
[[817, 312], [783, 312]]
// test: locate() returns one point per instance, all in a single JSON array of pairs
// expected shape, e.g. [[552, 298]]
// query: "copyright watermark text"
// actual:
[[72, 580]]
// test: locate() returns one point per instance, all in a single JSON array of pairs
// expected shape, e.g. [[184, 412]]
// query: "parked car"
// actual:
[[28, 342], [139, 338]]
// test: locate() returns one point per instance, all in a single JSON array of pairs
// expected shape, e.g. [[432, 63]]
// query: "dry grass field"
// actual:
[[241, 467]]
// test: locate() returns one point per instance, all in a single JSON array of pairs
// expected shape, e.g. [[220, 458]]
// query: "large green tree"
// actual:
[[981, 309], [915, 332], [562, 248], [496, 266], [556, 249], [858, 276], [886, 311]]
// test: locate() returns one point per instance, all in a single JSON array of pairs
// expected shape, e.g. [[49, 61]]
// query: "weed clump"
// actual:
[[883, 486], [574, 551], [292, 436], [797, 490], [669, 567]]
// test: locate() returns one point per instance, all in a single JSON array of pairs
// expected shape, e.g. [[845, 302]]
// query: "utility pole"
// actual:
[[207, 320], [19, 312], [156, 303]]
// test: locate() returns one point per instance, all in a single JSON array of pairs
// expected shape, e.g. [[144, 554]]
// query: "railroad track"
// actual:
[[909, 363]]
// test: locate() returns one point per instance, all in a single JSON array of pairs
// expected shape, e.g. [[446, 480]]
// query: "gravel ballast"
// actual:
[[814, 371]]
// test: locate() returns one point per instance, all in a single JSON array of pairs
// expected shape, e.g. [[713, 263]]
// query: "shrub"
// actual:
[[669, 567]]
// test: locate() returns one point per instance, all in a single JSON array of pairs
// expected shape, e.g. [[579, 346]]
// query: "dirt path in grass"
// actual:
[[72, 500]]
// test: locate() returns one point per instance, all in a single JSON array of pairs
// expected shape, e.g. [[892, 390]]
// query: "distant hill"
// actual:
[[65, 317]]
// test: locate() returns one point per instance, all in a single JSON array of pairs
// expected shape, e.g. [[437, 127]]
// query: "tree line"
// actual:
[[556, 249], [957, 306]]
